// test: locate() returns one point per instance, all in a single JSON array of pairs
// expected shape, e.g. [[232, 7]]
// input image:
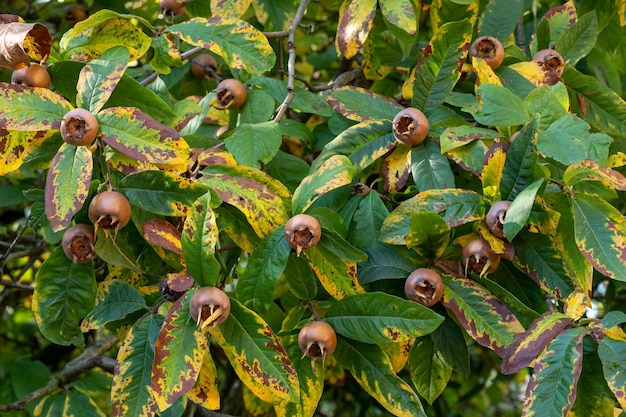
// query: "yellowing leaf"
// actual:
[[354, 26]]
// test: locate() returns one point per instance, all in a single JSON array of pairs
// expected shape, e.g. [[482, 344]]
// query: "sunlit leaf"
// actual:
[[17, 146], [355, 23], [116, 300], [360, 105], [44, 108], [332, 174], [587, 170]]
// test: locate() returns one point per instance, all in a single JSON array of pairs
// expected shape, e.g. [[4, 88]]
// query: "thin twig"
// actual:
[[185, 55], [85, 361], [291, 62], [4, 258], [11, 284]]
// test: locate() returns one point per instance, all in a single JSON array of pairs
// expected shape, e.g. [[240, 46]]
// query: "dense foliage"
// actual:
[[148, 264]]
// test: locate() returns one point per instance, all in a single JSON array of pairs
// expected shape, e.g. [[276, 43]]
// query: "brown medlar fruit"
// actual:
[[550, 60], [75, 13], [109, 210], [317, 339], [77, 243], [79, 127], [302, 232], [231, 94], [424, 286], [171, 8], [33, 75], [203, 66], [209, 306], [479, 258], [488, 48], [495, 218], [410, 126]]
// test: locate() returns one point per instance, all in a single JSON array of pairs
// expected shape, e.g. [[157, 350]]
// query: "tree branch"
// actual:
[[291, 62], [90, 358]]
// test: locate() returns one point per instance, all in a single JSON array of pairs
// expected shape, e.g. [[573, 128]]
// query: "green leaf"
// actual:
[[333, 242], [378, 318], [199, 239], [449, 339], [116, 300], [529, 344], [587, 170], [384, 263], [254, 144], [456, 206], [597, 104], [367, 221], [355, 22], [442, 11], [161, 192], [545, 102], [360, 105], [64, 294], [303, 101], [275, 14], [99, 78], [519, 168], [31, 109], [178, 354], [430, 372], [429, 235], [240, 44], [485, 318], [258, 108], [262, 199], [139, 136], [363, 143], [579, 39], [552, 387], [440, 65], [401, 14], [519, 211], [568, 141], [600, 234], [301, 278], [371, 368], [131, 390], [540, 257], [458, 136], [266, 264], [500, 107], [79, 404], [333, 173], [90, 38], [430, 169], [611, 353], [67, 184], [499, 18], [338, 276], [257, 355]]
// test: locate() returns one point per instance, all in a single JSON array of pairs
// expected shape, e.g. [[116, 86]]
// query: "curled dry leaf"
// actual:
[[22, 42]]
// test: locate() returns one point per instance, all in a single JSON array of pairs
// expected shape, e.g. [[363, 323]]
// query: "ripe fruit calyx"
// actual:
[[78, 243], [109, 210], [479, 258], [209, 306], [424, 286], [302, 232], [495, 218], [410, 126], [79, 127], [488, 48], [231, 94], [317, 339]]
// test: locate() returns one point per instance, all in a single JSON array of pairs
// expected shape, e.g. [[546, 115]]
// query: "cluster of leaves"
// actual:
[[210, 210]]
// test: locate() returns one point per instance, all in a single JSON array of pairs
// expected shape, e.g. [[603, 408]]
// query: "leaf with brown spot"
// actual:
[[98, 79], [485, 318], [22, 42], [612, 353], [262, 199], [355, 23], [138, 135], [257, 355], [493, 166], [588, 170], [178, 354], [162, 233], [67, 184], [31, 109], [360, 104], [396, 169], [205, 392], [16, 146]]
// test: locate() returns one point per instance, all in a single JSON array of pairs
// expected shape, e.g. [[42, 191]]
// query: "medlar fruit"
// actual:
[[77, 243], [33, 75], [479, 258], [410, 126], [551, 60], [109, 210], [424, 286], [302, 232], [171, 8], [79, 127], [495, 218], [203, 66], [231, 94], [209, 306], [317, 339], [488, 48]]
